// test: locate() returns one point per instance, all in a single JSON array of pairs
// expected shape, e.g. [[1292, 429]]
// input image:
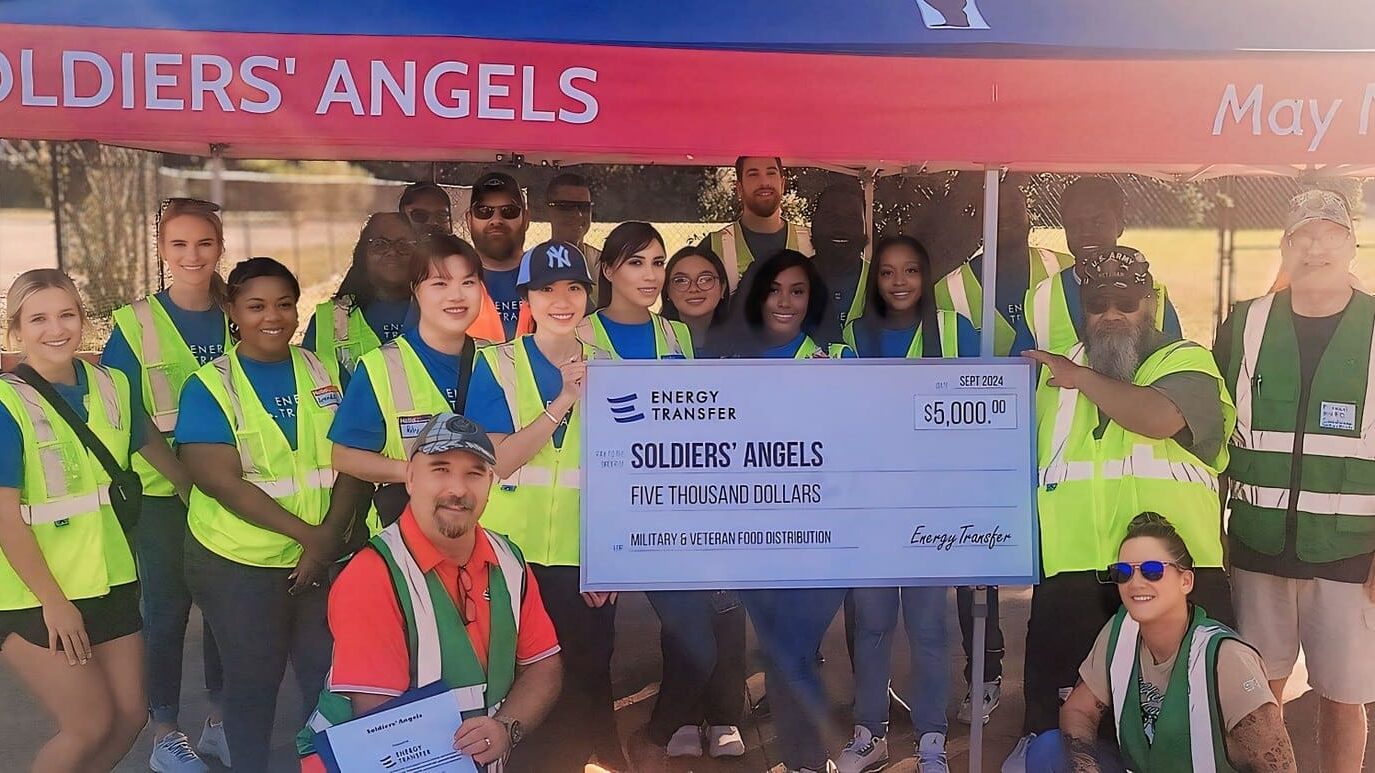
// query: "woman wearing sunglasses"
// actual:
[[265, 523], [697, 292], [158, 342], [1185, 693], [373, 303], [426, 205], [629, 281]]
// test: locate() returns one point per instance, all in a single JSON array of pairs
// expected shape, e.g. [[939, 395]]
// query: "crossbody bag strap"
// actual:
[[69, 415]]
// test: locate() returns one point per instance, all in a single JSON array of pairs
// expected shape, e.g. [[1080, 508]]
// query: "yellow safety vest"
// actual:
[[1048, 317], [300, 480], [811, 350], [730, 246], [947, 328], [671, 338], [342, 336], [538, 506], [961, 291], [1090, 488], [167, 362], [64, 494]]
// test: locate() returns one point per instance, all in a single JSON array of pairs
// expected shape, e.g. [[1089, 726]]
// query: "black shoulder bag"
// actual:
[[391, 498], [126, 490]]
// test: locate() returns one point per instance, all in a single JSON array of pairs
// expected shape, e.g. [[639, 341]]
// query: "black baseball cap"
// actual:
[[1120, 271], [451, 432], [498, 182], [550, 262]]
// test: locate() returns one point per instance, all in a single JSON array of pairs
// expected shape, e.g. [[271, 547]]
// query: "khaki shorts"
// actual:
[[1334, 622]]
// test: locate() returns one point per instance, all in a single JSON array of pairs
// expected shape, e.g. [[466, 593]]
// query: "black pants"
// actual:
[[259, 627], [582, 720], [702, 636], [993, 641], [1067, 612]]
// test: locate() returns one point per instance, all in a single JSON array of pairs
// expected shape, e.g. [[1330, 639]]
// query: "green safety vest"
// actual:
[[407, 398], [167, 362], [1091, 488], [539, 506], [947, 325], [64, 494], [961, 291], [1048, 317], [1188, 733], [811, 350], [342, 336], [436, 638], [300, 480], [671, 338], [729, 244], [1336, 502]]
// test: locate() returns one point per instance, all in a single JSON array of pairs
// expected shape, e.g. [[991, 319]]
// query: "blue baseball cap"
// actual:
[[550, 262]]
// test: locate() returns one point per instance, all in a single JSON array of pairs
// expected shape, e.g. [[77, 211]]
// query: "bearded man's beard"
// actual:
[[1117, 349]]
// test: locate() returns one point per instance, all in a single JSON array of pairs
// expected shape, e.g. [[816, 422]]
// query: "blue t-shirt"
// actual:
[[1074, 300], [388, 319], [789, 350], [895, 343], [631, 342], [501, 285], [487, 402], [201, 420], [203, 332], [12, 442], [359, 422]]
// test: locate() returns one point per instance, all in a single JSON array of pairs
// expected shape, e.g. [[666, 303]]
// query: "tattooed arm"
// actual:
[[1259, 742], [1079, 718]]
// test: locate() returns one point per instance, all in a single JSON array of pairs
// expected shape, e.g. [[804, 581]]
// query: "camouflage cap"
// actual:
[[1317, 205]]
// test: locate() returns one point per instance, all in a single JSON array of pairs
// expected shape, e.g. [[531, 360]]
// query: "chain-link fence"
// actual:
[[100, 228]]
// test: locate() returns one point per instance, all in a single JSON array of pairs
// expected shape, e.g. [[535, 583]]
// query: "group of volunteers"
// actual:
[[397, 502]]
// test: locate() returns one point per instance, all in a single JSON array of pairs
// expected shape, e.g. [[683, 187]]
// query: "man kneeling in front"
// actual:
[[435, 597]]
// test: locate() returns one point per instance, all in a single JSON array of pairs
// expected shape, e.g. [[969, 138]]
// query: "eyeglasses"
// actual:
[[1332, 240], [467, 608], [703, 281], [507, 211], [1099, 304], [383, 245], [1152, 571], [425, 216], [581, 207]]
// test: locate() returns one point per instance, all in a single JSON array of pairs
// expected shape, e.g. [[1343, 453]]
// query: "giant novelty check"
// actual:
[[810, 473]]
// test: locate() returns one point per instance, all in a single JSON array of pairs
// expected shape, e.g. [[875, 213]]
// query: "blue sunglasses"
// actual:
[[1152, 571]]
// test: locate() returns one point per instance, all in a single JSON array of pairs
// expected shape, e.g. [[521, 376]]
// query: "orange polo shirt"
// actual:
[[370, 651]]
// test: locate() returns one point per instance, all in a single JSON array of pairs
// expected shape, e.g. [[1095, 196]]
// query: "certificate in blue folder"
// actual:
[[408, 734]]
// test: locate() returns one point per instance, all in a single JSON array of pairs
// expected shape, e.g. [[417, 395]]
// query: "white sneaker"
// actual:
[[214, 744], [1016, 760], [931, 754], [173, 754], [686, 742], [725, 741], [993, 695], [864, 753], [829, 767]]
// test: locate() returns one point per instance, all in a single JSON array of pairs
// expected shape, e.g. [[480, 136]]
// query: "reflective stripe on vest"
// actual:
[[1206, 749], [671, 338], [1049, 318], [406, 394], [947, 328], [299, 480], [64, 490], [729, 244], [342, 335], [811, 350]]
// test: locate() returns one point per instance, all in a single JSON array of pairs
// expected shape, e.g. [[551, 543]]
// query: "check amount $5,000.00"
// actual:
[[966, 412]]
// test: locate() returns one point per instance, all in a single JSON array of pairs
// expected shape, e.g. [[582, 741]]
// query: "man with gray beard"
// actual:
[[1129, 420]]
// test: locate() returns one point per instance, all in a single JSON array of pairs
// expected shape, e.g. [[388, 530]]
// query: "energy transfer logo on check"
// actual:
[[623, 409]]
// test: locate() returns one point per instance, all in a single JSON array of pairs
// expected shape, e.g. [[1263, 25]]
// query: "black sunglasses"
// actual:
[[1099, 304], [423, 216], [1152, 571], [486, 211], [581, 207]]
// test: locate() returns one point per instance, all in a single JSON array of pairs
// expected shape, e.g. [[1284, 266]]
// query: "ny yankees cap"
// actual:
[[451, 432], [1317, 205], [550, 262]]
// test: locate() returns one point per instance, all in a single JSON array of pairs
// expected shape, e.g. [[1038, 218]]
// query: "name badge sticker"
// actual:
[[1338, 416], [411, 425], [472, 697], [327, 396]]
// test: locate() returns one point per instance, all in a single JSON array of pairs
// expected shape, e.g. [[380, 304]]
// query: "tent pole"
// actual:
[[54, 171], [990, 267], [870, 182], [217, 174]]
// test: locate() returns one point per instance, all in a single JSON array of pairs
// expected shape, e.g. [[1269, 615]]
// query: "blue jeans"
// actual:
[[1046, 754], [260, 627], [702, 636], [790, 625], [159, 542], [926, 614]]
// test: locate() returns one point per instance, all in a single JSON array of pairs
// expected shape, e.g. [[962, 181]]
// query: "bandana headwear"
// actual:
[[1121, 269], [1317, 205]]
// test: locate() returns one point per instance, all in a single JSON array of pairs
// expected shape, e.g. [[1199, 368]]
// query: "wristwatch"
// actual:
[[513, 730]]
